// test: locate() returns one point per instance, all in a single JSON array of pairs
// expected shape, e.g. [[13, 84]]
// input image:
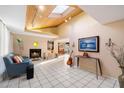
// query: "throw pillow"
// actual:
[[20, 60], [15, 59]]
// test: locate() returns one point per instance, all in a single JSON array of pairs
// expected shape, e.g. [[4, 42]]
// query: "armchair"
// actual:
[[14, 69]]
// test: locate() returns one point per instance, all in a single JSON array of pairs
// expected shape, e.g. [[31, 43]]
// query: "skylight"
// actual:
[[60, 9]]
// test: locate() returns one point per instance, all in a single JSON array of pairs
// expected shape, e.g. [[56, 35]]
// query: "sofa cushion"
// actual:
[[26, 60], [20, 60], [15, 59], [9, 58]]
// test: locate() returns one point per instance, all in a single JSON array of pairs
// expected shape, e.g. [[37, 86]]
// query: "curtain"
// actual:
[[4, 45], [4, 39]]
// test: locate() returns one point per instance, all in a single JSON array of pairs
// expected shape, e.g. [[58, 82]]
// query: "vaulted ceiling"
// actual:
[[105, 13], [16, 20]]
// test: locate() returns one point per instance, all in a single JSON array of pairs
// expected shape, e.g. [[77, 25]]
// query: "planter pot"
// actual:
[[121, 78]]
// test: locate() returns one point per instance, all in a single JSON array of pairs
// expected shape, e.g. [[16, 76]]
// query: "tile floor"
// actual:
[[58, 75]]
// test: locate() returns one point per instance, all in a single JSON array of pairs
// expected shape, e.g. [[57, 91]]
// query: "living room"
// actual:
[[105, 24]]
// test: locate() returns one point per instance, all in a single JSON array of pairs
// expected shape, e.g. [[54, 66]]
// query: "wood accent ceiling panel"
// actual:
[[39, 19]]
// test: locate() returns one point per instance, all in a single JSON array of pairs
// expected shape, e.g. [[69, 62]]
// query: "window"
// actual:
[[60, 9], [4, 45], [4, 39]]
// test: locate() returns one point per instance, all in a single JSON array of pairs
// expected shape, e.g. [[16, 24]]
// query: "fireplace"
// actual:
[[35, 53]]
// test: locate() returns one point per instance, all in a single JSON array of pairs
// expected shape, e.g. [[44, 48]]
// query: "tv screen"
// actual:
[[89, 44]]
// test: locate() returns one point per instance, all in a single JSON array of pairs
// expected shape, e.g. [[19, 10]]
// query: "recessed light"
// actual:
[[41, 7], [66, 21], [69, 18]]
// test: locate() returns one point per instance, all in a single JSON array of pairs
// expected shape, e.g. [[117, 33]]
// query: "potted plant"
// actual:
[[118, 53], [20, 45]]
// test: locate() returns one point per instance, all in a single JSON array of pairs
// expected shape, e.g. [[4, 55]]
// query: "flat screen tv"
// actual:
[[89, 44]]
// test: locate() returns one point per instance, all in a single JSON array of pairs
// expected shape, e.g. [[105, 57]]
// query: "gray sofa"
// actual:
[[14, 69]]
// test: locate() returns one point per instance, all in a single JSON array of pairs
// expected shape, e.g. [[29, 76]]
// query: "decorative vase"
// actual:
[[121, 78]]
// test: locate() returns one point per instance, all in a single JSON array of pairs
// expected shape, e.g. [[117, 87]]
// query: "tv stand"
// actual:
[[98, 65]]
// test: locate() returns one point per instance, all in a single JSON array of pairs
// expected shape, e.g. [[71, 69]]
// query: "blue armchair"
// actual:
[[14, 69]]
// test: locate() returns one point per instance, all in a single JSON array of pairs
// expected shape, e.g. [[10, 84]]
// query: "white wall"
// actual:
[[11, 43], [28, 43], [84, 25]]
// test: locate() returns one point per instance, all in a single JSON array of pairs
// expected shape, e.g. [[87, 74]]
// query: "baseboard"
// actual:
[[107, 76], [1, 78]]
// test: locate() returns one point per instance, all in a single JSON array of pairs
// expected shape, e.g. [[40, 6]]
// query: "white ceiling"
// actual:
[[13, 16], [104, 13]]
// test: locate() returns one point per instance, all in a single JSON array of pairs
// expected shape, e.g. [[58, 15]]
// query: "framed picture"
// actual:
[[50, 45], [89, 44], [61, 48]]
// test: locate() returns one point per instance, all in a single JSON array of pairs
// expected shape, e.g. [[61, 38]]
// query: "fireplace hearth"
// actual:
[[35, 53]]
